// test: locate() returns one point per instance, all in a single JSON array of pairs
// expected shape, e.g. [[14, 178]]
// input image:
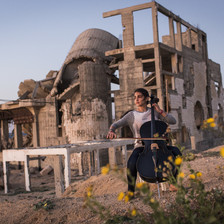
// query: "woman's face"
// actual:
[[140, 99]]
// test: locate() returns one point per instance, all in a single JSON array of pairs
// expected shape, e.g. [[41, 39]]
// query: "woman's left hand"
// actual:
[[157, 108]]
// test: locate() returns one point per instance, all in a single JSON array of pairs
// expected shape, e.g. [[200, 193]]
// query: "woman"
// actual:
[[134, 119]]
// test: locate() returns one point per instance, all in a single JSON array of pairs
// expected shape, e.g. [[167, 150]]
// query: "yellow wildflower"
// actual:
[[120, 196], [89, 194], [134, 212], [126, 198], [199, 174], [105, 170], [130, 193], [212, 124], [139, 185], [170, 158], [90, 188], [181, 175], [89, 191], [45, 205], [192, 176], [152, 200], [178, 161], [210, 120], [222, 152]]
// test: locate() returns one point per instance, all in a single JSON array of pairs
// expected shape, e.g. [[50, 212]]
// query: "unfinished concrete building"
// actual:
[[75, 103], [177, 70]]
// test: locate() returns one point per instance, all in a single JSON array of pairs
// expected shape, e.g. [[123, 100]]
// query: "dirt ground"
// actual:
[[18, 205]]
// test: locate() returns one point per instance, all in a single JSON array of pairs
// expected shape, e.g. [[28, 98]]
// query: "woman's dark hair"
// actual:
[[144, 92]]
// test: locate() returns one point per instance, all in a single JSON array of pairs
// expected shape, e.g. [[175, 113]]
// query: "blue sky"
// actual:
[[36, 35]]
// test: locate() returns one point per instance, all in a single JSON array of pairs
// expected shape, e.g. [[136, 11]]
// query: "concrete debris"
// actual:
[[46, 170]]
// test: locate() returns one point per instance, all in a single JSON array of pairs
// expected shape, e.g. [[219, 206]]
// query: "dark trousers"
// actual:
[[132, 161]]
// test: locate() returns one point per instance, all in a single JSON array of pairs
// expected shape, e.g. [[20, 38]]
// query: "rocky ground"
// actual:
[[18, 206]]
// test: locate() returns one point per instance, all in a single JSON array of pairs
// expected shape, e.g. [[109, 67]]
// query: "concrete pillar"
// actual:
[[27, 173], [97, 161], [35, 132], [90, 163], [112, 157], [35, 129], [193, 144], [124, 155], [80, 162], [0, 138], [67, 169], [128, 36], [179, 37], [174, 63], [172, 34], [128, 29], [18, 136], [5, 173], [189, 42], [158, 63], [58, 176], [95, 95], [4, 133]]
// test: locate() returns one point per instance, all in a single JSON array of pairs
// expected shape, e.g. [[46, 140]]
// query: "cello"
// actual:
[[151, 164]]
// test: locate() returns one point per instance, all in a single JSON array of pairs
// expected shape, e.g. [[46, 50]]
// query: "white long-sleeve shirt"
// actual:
[[135, 119]]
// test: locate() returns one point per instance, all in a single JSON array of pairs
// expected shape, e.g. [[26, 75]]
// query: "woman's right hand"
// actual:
[[111, 135]]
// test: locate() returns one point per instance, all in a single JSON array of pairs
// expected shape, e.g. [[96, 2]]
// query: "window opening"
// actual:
[[163, 28], [220, 117], [149, 78], [180, 63], [59, 117], [203, 38], [184, 102], [217, 87], [143, 30], [114, 87], [198, 115], [194, 40]]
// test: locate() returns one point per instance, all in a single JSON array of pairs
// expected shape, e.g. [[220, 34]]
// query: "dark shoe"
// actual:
[[129, 196]]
